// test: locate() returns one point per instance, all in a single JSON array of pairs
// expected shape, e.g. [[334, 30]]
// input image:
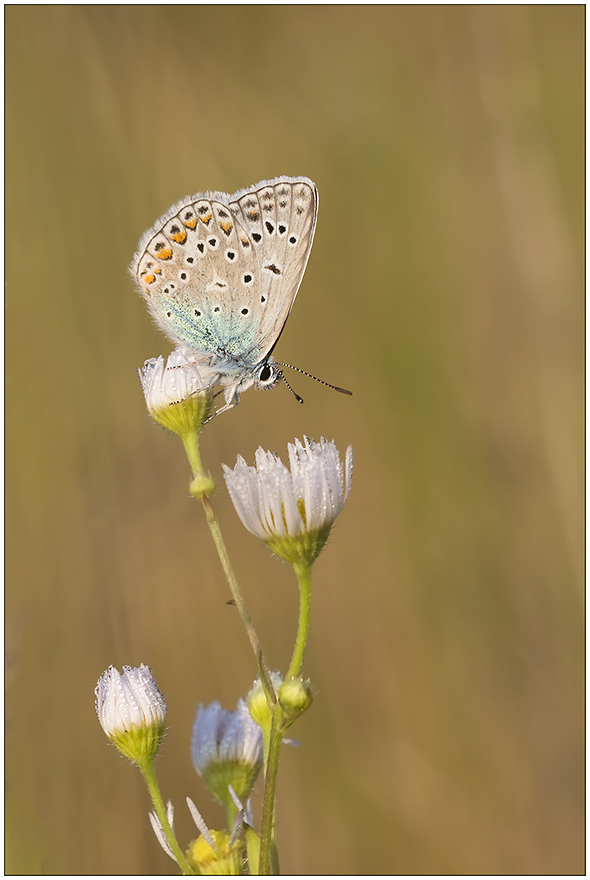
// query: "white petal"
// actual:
[[201, 824], [159, 832], [267, 498]]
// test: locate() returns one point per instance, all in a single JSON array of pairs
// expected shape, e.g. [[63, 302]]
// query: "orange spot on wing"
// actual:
[[149, 279], [179, 236], [206, 219], [190, 223], [227, 227], [165, 253]]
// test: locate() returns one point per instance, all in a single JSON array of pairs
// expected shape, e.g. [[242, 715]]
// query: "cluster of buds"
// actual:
[[227, 751], [292, 510]]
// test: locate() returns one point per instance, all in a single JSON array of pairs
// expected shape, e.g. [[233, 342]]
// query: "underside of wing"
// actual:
[[280, 217], [197, 273], [219, 273]]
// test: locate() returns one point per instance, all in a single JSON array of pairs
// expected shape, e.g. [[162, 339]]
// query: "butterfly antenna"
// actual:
[[321, 381], [294, 393]]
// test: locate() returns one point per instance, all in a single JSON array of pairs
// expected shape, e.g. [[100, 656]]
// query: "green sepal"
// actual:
[[140, 744], [252, 849], [220, 774], [185, 416], [300, 549]]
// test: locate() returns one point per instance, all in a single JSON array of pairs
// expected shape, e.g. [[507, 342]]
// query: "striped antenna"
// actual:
[[321, 381]]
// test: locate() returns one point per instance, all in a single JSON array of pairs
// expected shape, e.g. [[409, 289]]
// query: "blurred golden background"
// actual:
[[445, 289]]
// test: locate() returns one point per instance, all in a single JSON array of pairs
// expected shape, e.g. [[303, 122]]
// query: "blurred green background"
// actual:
[[445, 289]]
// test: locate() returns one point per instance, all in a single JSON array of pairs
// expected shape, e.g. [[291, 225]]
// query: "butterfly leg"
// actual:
[[232, 398], [227, 406]]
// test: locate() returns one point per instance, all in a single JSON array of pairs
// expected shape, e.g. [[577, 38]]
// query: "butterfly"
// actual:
[[220, 273]]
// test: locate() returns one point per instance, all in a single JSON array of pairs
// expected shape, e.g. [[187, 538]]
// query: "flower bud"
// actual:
[[295, 697], [257, 704], [227, 750], [131, 711]]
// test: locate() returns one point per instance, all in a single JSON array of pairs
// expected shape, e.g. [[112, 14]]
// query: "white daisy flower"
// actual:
[[292, 511]]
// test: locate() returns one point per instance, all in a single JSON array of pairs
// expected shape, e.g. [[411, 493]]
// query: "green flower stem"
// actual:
[[239, 600], [268, 851], [191, 446], [303, 573], [231, 811], [150, 779], [267, 835]]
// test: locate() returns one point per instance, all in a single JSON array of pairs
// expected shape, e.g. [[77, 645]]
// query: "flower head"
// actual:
[[294, 695], [226, 750], [131, 711], [220, 856], [218, 852], [178, 392], [292, 511]]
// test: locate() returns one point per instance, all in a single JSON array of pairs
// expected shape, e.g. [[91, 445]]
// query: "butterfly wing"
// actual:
[[193, 268], [219, 273], [280, 217]]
